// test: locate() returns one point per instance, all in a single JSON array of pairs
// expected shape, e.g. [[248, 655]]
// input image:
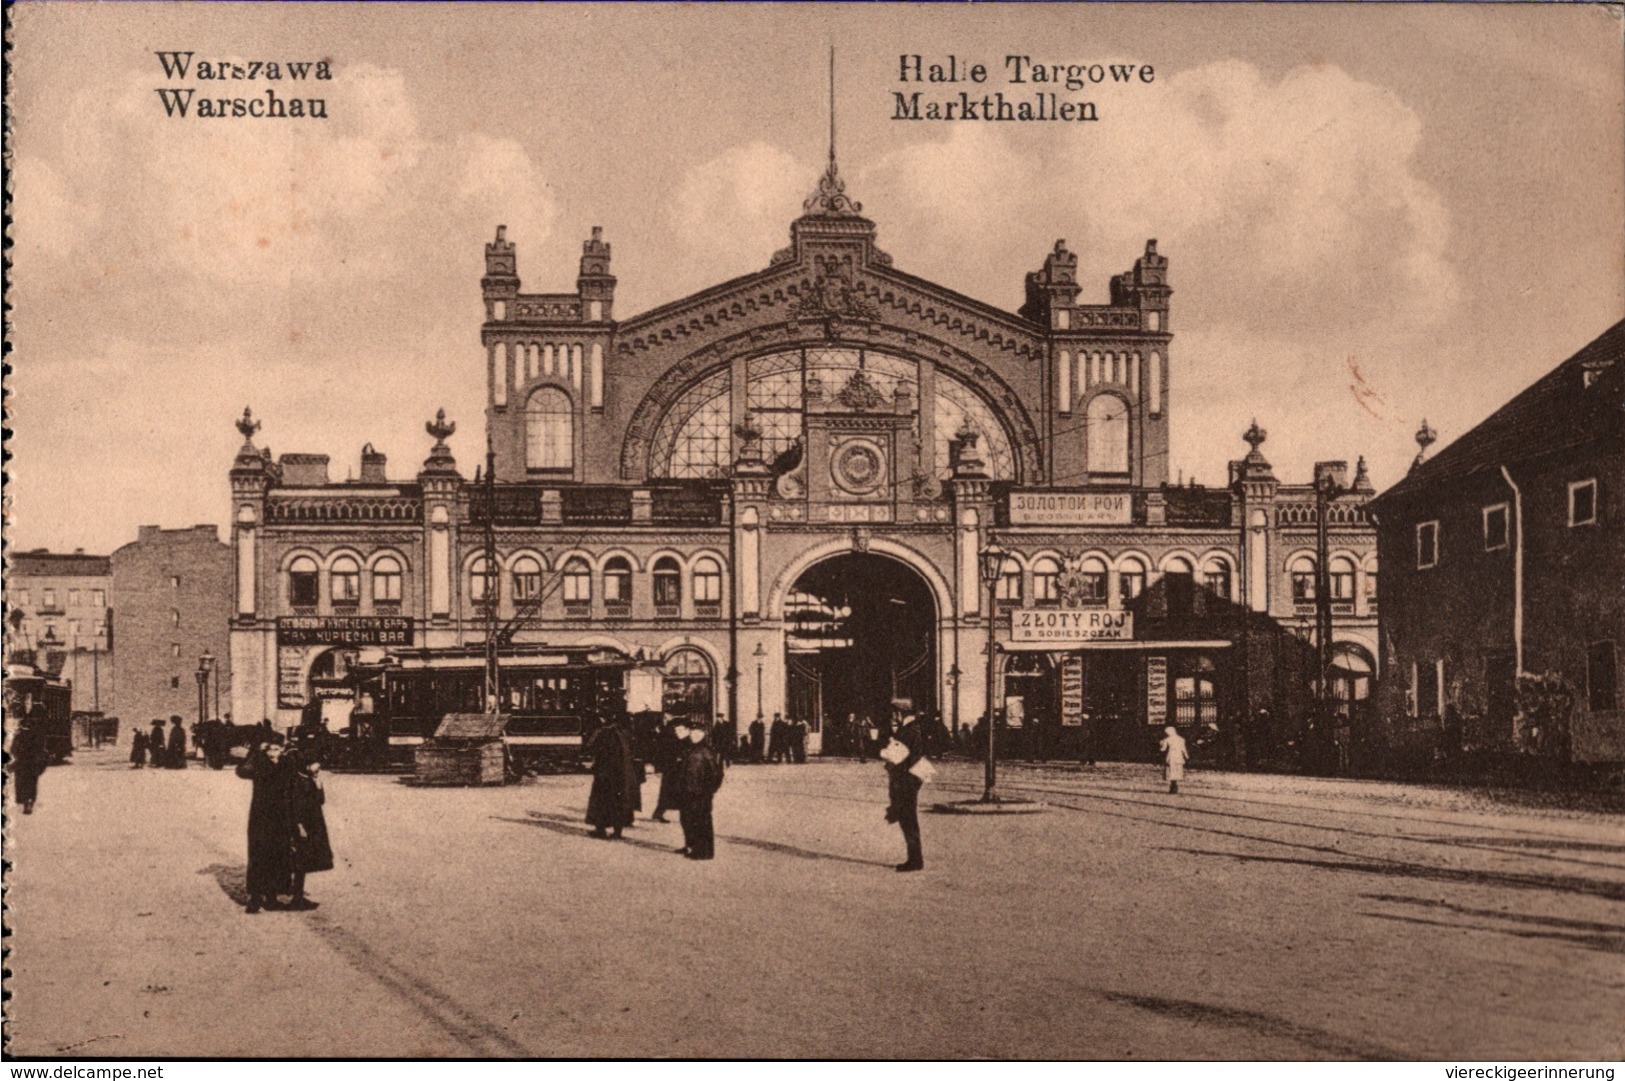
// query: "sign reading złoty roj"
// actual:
[[344, 631], [1071, 508], [1068, 626]]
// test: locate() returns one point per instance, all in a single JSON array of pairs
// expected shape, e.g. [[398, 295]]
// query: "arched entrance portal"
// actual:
[[860, 630]]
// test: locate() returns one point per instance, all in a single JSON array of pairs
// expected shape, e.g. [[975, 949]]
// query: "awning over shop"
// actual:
[[1146, 647]]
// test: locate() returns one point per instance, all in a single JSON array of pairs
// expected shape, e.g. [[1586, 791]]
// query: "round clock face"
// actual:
[[858, 467]]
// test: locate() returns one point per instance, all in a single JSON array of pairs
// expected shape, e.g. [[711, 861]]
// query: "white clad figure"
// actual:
[[1175, 754]]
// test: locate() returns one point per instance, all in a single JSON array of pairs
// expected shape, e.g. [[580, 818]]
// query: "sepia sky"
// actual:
[[1372, 214]]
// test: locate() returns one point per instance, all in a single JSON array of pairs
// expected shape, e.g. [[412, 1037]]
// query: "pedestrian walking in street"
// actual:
[[778, 739], [270, 833], [312, 852], [138, 749], [29, 757], [156, 743], [903, 756], [701, 777], [669, 751], [758, 739], [617, 781], [175, 757], [798, 742], [1174, 756]]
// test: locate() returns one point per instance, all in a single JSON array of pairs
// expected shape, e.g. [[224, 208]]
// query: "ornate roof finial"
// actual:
[[1255, 436], [441, 428], [248, 426], [1362, 479], [830, 199], [1425, 438]]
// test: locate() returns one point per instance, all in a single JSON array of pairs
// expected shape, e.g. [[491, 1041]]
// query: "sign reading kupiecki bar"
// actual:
[[344, 631], [1065, 626]]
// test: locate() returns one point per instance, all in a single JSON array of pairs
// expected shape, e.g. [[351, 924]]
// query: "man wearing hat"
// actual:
[[904, 786], [700, 777]]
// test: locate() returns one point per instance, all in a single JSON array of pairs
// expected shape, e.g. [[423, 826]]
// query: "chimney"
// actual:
[[372, 466], [303, 470]]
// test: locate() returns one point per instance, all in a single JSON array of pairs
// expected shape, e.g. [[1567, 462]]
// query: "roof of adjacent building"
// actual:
[[1558, 412], [42, 564]]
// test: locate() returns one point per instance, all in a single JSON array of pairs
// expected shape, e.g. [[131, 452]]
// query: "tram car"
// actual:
[[553, 698], [27, 686]]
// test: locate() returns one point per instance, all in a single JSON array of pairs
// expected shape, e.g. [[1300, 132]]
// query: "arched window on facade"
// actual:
[[618, 586], [1195, 698], [482, 583], [1107, 425], [687, 685], [577, 586], [1216, 577], [1092, 580], [1302, 570], [386, 583], [1131, 579], [1350, 673], [707, 586], [549, 431], [1340, 578], [1179, 585], [668, 586], [1046, 581], [304, 589], [527, 580], [1008, 590], [344, 579]]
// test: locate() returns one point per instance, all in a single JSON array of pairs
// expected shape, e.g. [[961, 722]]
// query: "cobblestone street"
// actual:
[[1249, 917]]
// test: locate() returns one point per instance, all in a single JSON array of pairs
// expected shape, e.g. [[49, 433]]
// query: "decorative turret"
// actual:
[[1255, 467], [1053, 289], [963, 457], [596, 285], [1362, 479], [440, 461], [1146, 288], [501, 282], [250, 463]]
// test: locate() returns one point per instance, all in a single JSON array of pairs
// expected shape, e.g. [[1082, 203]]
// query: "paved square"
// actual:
[[1248, 917]]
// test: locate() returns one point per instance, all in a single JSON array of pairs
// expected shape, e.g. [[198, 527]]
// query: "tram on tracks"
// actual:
[[554, 700], [28, 686]]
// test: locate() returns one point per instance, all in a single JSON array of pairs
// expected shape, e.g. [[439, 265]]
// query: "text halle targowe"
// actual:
[[220, 90], [1037, 89]]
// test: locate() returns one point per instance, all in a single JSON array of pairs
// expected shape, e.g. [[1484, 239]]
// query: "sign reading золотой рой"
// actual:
[[1071, 508], [1064, 626]]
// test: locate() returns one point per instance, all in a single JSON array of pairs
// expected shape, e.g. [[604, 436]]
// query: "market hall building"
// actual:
[[780, 490]]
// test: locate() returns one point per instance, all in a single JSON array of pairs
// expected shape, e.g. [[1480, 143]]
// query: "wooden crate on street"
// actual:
[[465, 750]]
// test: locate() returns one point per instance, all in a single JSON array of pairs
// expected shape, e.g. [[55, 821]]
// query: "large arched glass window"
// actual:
[[577, 586], [1009, 585], [527, 579], [345, 581], [1340, 578], [618, 585], [1107, 426], [303, 586], [482, 583], [1092, 581], [707, 585], [1216, 577], [549, 430], [386, 582], [1131, 579], [668, 581], [687, 692]]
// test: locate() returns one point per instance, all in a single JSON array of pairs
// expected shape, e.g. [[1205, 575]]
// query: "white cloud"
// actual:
[[733, 212]]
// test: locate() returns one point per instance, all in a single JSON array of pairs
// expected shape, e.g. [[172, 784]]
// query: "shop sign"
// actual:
[[344, 631], [1156, 690], [290, 677], [1071, 626], [1072, 691], [1071, 508]]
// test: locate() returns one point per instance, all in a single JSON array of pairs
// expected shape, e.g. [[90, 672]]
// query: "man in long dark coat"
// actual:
[[617, 781], [156, 743], [175, 758], [668, 754], [270, 834], [307, 823], [904, 787], [138, 749], [701, 777], [29, 757], [758, 739]]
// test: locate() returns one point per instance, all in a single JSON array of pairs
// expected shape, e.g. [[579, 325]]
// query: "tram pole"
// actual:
[[991, 564], [493, 581]]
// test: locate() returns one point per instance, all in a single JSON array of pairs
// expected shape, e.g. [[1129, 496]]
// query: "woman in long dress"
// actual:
[[1174, 756], [617, 782]]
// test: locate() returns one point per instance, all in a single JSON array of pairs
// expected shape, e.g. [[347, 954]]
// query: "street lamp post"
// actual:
[[205, 664], [992, 563], [760, 653]]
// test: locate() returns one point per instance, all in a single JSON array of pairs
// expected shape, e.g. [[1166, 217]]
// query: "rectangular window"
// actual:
[[1582, 502], [49, 599], [1092, 587], [174, 682], [73, 598], [1495, 527], [1427, 545], [1601, 681], [1427, 689], [98, 597], [22, 597], [174, 581], [174, 649]]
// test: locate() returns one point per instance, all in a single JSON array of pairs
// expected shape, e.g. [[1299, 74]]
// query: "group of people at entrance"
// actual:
[[287, 828], [163, 752], [690, 774], [782, 741]]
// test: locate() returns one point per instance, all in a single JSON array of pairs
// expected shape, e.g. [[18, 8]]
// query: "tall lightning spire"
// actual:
[[830, 199]]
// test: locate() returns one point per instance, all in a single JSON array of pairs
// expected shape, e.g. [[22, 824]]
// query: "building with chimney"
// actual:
[[781, 491], [1502, 607]]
